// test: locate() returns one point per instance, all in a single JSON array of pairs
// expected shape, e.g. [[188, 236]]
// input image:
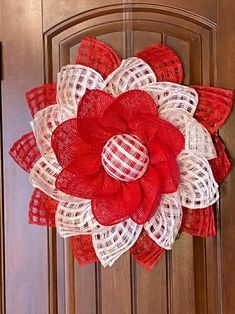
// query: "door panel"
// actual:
[[40, 269]]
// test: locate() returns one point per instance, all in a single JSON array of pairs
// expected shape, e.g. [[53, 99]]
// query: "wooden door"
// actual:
[[41, 276]]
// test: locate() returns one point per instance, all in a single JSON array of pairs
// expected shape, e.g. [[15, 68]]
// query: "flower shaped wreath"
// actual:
[[123, 157]]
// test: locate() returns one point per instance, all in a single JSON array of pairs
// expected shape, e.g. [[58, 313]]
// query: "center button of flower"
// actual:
[[125, 157]]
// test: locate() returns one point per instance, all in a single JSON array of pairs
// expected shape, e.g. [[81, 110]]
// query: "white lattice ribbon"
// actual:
[[133, 73], [173, 96], [116, 240], [44, 123], [164, 226], [43, 176], [197, 139], [72, 83], [76, 218], [197, 187]]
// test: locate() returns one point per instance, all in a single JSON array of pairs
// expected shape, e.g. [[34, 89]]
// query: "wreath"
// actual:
[[122, 156]]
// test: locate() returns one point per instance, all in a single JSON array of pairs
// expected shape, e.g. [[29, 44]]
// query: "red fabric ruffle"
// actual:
[[221, 164], [98, 56], [83, 249], [214, 106], [25, 151], [96, 185], [67, 144], [42, 209], [164, 62], [199, 222], [146, 252], [126, 107], [78, 149], [151, 190], [41, 97]]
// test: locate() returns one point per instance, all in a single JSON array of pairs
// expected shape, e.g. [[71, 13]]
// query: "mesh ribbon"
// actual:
[[199, 222], [197, 188], [146, 252], [42, 209], [43, 125], [98, 56], [214, 106], [133, 73], [125, 158], [221, 164], [198, 140], [75, 218], [116, 240], [83, 249], [43, 176], [163, 227], [25, 151], [41, 97], [164, 62], [173, 96], [72, 83]]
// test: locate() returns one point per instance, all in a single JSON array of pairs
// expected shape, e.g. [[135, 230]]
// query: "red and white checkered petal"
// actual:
[[116, 240], [133, 73], [173, 96], [72, 83], [75, 218], [44, 123], [197, 187], [43, 176], [198, 140], [164, 226]]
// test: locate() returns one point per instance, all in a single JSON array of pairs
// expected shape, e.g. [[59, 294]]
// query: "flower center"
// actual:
[[125, 158]]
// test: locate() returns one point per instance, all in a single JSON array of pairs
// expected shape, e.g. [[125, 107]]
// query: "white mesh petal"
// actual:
[[75, 218], [116, 240], [173, 96], [72, 83], [164, 226], [44, 123], [197, 187], [43, 176], [197, 139], [133, 73]]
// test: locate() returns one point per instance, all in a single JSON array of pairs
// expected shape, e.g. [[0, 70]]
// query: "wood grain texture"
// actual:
[[226, 78], [26, 271]]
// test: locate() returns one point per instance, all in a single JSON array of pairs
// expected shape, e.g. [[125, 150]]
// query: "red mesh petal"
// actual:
[[126, 106], [93, 104], [42, 209], [41, 97], [164, 62], [146, 252], [25, 151], [199, 222], [67, 144], [119, 207], [214, 106], [95, 185], [93, 132], [150, 196], [221, 164], [83, 249], [149, 127], [97, 55], [163, 160]]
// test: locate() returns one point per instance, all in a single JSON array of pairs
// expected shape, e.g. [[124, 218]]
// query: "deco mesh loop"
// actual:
[[133, 73], [125, 158]]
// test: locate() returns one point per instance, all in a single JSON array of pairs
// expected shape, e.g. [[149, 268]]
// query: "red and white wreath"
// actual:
[[122, 156]]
